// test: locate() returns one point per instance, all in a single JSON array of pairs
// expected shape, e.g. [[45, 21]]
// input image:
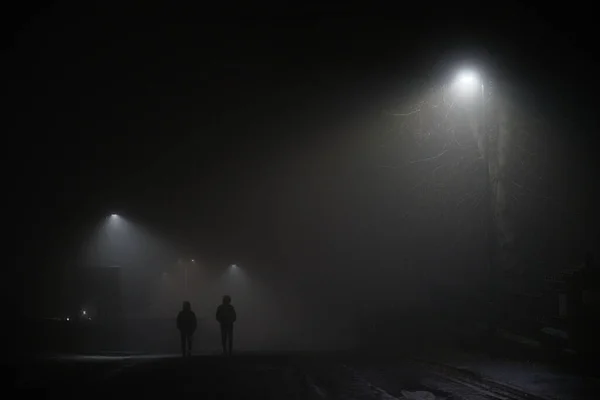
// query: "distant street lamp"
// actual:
[[185, 272]]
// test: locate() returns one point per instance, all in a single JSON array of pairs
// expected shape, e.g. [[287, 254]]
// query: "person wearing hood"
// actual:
[[226, 316], [186, 324]]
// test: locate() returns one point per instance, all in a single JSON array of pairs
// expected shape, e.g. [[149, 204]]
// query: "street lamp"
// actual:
[[468, 86], [185, 272], [467, 77]]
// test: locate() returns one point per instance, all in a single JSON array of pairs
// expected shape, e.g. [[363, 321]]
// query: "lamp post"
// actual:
[[469, 86], [186, 266], [186, 279]]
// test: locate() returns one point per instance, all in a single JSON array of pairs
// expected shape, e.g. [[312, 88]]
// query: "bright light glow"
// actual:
[[467, 77], [84, 312], [193, 260], [139, 253], [467, 83], [234, 266], [68, 319]]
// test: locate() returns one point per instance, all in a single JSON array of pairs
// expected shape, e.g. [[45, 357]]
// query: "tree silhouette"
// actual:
[[494, 165]]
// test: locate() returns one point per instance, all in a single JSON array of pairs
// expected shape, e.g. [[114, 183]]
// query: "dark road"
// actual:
[[297, 376]]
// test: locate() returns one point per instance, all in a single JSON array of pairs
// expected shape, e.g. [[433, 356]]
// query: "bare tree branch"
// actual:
[[516, 184], [435, 169], [405, 114], [430, 158], [457, 141]]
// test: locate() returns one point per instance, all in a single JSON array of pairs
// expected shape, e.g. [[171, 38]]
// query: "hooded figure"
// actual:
[[186, 323], [226, 316]]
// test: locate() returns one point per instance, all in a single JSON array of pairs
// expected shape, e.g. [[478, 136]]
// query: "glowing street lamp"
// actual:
[[468, 84], [468, 87], [185, 272], [467, 77]]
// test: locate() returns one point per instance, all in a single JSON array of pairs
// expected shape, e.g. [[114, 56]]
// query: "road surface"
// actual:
[[274, 376]]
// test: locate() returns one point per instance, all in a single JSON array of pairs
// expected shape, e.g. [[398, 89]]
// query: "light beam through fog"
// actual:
[[119, 252], [119, 241], [136, 277]]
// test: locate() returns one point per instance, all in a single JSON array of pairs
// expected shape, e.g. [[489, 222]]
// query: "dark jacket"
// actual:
[[186, 321], [226, 314]]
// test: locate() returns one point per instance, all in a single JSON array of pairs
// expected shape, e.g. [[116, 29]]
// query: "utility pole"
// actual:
[[486, 131], [186, 279]]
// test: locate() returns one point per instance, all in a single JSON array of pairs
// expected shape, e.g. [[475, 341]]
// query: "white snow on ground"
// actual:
[[360, 388], [458, 390], [538, 379], [361, 385], [336, 381]]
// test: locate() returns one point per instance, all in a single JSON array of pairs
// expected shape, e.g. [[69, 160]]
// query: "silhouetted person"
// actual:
[[226, 316], [186, 323]]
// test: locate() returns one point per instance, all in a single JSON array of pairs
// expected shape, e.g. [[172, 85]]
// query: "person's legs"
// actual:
[[189, 343], [230, 337], [183, 340], [224, 337]]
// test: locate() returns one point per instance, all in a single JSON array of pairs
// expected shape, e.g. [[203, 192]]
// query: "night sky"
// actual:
[[253, 135]]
